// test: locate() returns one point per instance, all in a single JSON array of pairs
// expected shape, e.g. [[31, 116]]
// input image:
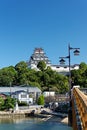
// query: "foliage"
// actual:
[[1, 103], [9, 103], [7, 76], [79, 76], [41, 65], [40, 100], [6, 104], [22, 72], [46, 79]]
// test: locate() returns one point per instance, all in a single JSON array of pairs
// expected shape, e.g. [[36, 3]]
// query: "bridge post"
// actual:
[[74, 117], [70, 114]]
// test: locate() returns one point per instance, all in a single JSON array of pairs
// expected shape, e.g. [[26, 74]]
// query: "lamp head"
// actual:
[[62, 61], [76, 52]]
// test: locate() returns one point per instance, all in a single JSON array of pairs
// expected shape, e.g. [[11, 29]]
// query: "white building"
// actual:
[[22, 96], [47, 93], [64, 69], [27, 93], [39, 55]]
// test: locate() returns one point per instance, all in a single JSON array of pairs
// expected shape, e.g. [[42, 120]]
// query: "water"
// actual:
[[31, 124]]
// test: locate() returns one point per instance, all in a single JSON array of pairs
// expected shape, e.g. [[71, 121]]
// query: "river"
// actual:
[[31, 124]]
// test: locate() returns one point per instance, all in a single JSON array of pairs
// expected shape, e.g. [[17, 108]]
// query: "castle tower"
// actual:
[[37, 56]]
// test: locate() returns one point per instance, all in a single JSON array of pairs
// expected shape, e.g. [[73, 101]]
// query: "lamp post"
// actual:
[[62, 61]]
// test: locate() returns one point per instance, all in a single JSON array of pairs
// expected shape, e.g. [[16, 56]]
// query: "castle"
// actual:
[[40, 55]]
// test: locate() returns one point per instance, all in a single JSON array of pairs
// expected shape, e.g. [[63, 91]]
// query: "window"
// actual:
[[23, 96]]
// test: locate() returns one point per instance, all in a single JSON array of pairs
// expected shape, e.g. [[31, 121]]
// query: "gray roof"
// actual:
[[18, 88]]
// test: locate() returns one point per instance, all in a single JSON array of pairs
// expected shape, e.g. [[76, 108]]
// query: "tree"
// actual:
[[22, 72], [7, 76], [21, 66], [1, 103], [9, 103], [41, 65], [83, 66], [80, 76], [40, 100]]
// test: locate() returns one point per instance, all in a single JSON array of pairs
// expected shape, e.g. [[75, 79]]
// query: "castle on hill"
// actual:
[[40, 55]]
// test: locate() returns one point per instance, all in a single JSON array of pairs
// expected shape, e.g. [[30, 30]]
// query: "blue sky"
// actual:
[[50, 24]]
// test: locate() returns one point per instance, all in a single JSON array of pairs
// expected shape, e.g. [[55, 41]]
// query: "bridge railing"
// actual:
[[79, 110]]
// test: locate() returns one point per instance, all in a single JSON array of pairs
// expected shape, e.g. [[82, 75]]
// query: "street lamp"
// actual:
[[62, 61]]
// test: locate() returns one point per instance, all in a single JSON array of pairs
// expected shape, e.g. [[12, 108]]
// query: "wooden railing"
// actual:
[[79, 110]]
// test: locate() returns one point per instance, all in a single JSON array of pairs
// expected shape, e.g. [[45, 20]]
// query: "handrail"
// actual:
[[81, 104]]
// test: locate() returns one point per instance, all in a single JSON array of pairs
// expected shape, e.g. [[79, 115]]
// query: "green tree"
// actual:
[[7, 76], [83, 66], [9, 103], [1, 103], [22, 72], [40, 100], [41, 65], [80, 76]]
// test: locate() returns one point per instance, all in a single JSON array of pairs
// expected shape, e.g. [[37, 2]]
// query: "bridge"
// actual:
[[78, 109]]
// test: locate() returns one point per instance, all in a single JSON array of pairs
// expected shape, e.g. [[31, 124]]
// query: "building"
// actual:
[[64, 69], [22, 93], [22, 96], [3, 96], [37, 56], [40, 55], [47, 93]]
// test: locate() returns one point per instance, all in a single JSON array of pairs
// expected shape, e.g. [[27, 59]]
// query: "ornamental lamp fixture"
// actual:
[[62, 61], [76, 52]]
